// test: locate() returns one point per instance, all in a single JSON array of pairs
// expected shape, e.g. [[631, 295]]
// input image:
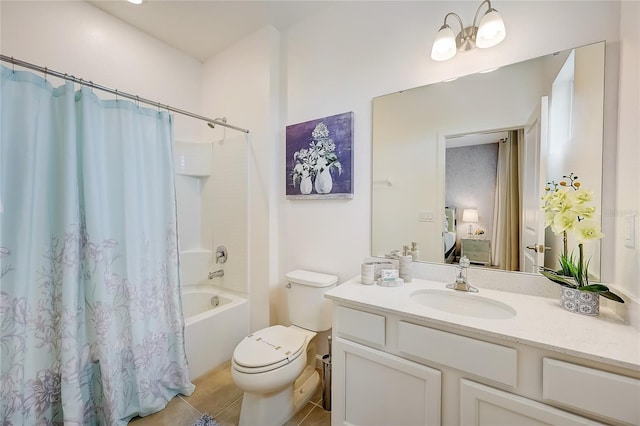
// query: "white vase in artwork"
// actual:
[[324, 182], [305, 185]]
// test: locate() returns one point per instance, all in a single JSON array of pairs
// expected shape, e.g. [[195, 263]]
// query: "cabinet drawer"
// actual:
[[590, 390], [483, 359], [362, 326], [480, 257], [476, 245]]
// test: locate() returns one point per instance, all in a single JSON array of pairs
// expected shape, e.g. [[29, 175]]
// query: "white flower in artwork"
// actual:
[[320, 132], [319, 156]]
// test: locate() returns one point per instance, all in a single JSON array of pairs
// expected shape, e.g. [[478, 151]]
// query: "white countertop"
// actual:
[[539, 321]]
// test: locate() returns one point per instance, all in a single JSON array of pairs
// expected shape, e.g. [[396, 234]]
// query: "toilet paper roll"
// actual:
[[378, 266], [367, 273]]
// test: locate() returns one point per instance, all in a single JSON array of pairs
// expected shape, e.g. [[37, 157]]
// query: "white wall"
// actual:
[[242, 83], [627, 161]]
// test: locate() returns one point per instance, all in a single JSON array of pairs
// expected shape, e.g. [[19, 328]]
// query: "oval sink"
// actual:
[[460, 303]]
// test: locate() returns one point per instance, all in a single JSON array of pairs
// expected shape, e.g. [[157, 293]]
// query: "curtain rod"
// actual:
[[64, 76]]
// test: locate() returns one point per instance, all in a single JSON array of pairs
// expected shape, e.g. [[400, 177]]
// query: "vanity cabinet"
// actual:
[[394, 370], [373, 387]]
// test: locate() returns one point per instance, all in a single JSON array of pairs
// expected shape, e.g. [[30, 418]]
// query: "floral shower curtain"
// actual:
[[90, 317]]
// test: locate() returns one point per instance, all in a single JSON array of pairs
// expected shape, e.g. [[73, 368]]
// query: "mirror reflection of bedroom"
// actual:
[[482, 213]]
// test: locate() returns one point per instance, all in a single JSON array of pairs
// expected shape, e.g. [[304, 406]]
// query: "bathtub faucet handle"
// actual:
[[221, 254]]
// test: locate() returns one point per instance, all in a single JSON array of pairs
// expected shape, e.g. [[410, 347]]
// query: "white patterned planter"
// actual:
[[581, 302]]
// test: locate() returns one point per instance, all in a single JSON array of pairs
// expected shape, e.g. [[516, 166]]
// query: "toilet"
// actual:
[[276, 366]]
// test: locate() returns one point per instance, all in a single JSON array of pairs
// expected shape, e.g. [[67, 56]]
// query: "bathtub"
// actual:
[[215, 322]]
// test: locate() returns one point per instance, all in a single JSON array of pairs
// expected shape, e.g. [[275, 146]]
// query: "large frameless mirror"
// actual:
[[462, 165]]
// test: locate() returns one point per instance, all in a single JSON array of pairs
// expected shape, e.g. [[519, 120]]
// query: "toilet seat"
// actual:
[[268, 349]]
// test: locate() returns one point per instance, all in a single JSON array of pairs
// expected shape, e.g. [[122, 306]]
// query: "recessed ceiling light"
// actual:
[[135, 1]]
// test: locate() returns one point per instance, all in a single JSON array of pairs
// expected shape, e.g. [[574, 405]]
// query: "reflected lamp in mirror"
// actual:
[[489, 32], [470, 216]]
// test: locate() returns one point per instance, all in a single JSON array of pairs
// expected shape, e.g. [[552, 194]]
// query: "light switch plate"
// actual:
[[629, 230], [426, 216]]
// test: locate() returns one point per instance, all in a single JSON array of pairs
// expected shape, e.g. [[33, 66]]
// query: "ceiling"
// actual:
[[203, 28]]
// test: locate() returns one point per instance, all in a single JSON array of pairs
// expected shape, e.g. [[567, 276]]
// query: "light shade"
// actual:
[[491, 30], [444, 46], [470, 215]]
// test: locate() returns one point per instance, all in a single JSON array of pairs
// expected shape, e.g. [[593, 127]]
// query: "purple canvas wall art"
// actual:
[[319, 158]]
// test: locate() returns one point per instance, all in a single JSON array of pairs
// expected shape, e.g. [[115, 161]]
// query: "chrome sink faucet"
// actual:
[[461, 283]]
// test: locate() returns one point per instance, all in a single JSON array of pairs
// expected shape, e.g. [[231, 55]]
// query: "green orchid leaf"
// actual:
[[596, 288], [557, 279], [612, 296]]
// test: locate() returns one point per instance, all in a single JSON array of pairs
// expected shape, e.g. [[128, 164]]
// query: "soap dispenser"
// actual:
[[405, 264], [415, 254]]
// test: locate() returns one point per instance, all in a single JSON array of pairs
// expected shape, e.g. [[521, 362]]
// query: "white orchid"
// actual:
[[580, 196], [563, 221], [567, 208], [587, 230], [566, 205]]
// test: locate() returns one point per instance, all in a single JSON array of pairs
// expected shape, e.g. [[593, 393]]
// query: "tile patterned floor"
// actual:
[[217, 395]]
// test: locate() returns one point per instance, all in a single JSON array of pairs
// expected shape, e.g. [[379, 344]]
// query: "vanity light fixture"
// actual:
[[489, 32], [470, 216]]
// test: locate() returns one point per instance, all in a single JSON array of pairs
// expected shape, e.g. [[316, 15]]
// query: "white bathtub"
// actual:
[[212, 332]]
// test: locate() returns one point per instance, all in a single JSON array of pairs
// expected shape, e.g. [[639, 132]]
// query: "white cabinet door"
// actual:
[[485, 406], [371, 387]]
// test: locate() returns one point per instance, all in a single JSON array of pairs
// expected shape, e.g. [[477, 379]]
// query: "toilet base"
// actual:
[[304, 387], [276, 408]]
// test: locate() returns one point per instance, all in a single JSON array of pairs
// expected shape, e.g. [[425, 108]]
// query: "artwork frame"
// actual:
[[319, 158]]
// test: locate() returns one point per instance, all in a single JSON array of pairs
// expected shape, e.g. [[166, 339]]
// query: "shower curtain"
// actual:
[[90, 316], [506, 212]]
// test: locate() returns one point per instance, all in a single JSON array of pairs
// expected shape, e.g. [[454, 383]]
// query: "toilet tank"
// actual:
[[308, 308]]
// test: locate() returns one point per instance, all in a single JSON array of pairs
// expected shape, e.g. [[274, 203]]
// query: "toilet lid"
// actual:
[[272, 345]]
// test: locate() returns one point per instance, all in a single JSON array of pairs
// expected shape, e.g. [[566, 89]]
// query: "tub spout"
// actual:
[[215, 274]]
